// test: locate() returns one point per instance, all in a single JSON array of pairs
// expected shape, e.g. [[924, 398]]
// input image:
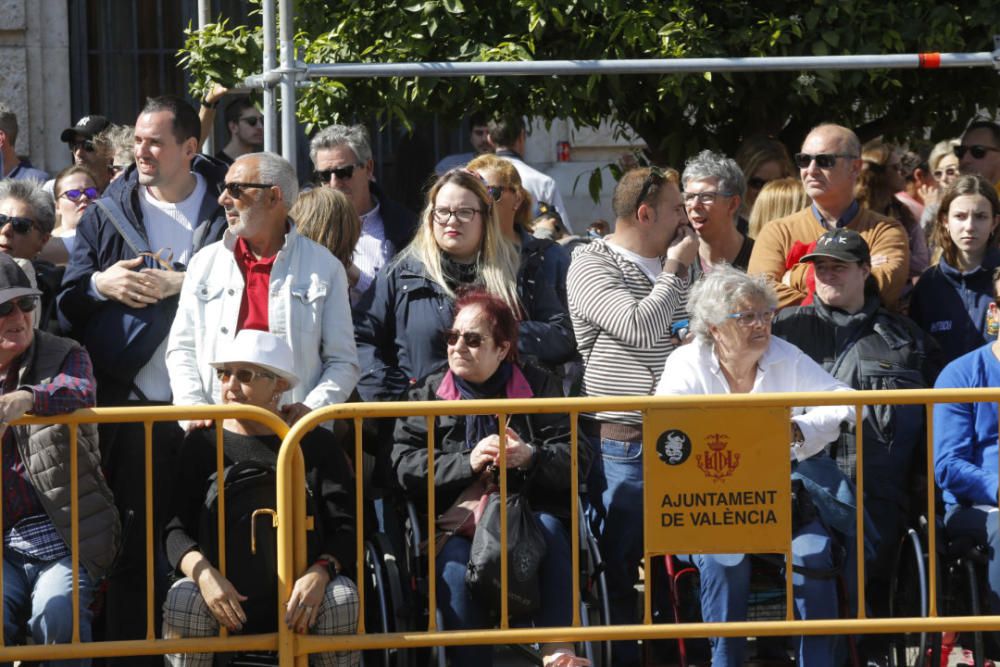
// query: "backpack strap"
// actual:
[[116, 216]]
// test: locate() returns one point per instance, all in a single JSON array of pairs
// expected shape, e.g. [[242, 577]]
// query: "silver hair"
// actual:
[[708, 164], [31, 194], [276, 170], [715, 296], [354, 137]]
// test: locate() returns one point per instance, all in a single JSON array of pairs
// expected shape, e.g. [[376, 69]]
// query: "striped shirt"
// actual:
[[622, 324]]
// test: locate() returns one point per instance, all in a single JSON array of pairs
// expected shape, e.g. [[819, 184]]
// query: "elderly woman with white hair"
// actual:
[[733, 352]]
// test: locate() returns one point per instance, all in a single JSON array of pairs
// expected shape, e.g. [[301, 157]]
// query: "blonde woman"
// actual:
[[541, 259], [459, 244], [777, 199], [327, 217]]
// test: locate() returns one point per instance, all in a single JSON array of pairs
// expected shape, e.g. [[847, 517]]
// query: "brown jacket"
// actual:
[[886, 238]]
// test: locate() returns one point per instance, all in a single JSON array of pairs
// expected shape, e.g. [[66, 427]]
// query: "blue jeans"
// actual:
[[615, 488], [982, 522], [725, 589], [38, 595], [460, 612]]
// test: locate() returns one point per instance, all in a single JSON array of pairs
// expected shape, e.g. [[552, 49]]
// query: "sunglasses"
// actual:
[[757, 183], [236, 190], [19, 225], [86, 145], [243, 375], [655, 177], [77, 193], [823, 160], [342, 173], [496, 191], [471, 338], [25, 304], [252, 121], [978, 151], [950, 171]]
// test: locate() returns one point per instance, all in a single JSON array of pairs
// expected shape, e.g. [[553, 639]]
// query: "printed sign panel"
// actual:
[[717, 480]]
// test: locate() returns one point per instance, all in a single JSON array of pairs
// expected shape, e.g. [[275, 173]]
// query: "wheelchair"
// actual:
[[399, 587]]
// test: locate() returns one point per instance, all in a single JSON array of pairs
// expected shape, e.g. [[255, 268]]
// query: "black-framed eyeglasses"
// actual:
[[342, 173], [86, 145], [76, 194], [823, 160], [252, 121], [654, 177], [18, 224], [949, 172], [242, 375], [978, 151], [443, 215], [25, 304], [235, 189], [707, 198], [471, 338]]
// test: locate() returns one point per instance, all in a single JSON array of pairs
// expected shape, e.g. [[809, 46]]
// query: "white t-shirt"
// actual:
[[651, 266]]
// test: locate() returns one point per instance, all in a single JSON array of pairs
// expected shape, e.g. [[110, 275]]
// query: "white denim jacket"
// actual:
[[308, 306]]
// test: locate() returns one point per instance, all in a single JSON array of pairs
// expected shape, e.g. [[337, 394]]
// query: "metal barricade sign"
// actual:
[[717, 480]]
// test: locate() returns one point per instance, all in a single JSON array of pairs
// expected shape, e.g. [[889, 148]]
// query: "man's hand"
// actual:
[[684, 247], [14, 405], [293, 412], [123, 283], [163, 283], [222, 598]]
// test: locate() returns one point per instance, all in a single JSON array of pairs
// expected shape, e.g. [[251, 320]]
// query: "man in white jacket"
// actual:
[[264, 275]]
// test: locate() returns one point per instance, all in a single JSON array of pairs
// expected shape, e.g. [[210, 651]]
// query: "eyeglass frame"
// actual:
[[222, 373], [241, 187], [765, 317], [7, 307], [18, 223], [80, 192], [252, 121], [85, 144], [648, 183], [823, 160], [705, 198], [982, 149], [343, 173], [437, 218], [472, 339]]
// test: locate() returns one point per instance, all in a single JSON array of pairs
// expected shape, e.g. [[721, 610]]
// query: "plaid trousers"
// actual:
[[185, 614]]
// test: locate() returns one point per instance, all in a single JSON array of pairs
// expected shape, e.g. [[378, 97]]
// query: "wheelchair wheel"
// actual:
[[386, 609], [909, 597], [594, 606]]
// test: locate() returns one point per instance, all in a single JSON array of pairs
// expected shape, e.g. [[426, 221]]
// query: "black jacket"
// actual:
[[873, 349], [399, 222], [99, 245], [549, 433]]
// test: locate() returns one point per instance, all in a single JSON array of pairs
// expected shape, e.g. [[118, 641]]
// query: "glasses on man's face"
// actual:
[[471, 338], [242, 375], [85, 144], [706, 198], [443, 215], [342, 173], [823, 160], [76, 194], [236, 190], [748, 318], [252, 121], [25, 304], [978, 151], [18, 224], [949, 172], [655, 177]]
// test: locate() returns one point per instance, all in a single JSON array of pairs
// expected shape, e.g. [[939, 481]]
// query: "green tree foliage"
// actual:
[[674, 114]]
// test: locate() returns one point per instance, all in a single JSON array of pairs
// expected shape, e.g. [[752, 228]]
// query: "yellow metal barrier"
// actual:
[[148, 646], [292, 527], [295, 648]]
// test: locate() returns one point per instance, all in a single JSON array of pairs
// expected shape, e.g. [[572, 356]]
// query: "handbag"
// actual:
[[121, 339], [525, 551]]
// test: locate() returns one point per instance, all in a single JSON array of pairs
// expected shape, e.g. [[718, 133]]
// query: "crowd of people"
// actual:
[[147, 273]]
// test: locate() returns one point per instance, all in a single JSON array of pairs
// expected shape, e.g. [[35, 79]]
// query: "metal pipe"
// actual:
[[286, 19], [204, 18], [654, 66], [269, 103]]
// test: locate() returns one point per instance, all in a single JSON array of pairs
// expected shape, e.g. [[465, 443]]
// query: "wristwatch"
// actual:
[[330, 563]]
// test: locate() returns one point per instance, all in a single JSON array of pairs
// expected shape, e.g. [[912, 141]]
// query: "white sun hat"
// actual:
[[260, 348]]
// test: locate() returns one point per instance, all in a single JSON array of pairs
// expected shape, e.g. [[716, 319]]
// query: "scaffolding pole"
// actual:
[[269, 101]]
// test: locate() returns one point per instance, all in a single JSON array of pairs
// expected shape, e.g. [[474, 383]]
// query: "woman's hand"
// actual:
[[519, 453], [222, 598], [307, 596], [485, 453]]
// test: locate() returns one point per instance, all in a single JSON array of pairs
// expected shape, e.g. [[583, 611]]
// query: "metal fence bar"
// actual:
[[74, 528], [574, 514], [932, 568], [859, 472], [359, 503], [150, 553], [504, 537]]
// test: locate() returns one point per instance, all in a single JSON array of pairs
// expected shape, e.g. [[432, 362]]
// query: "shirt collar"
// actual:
[[843, 220]]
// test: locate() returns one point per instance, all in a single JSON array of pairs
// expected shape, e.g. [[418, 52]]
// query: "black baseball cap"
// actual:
[[13, 281], [843, 244], [85, 128]]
